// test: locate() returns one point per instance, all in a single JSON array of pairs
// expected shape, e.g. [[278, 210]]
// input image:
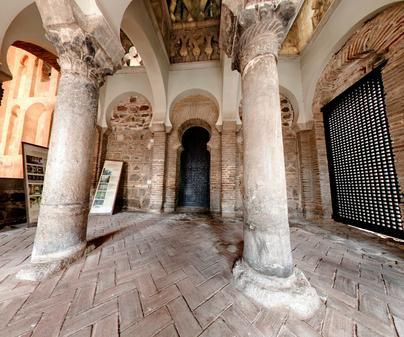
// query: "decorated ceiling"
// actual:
[[193, 10], [190, 28]]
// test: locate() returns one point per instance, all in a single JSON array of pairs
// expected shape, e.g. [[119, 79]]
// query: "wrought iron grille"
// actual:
[[364, 185]]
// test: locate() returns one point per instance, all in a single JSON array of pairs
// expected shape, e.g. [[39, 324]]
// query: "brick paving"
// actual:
[[169, 276]]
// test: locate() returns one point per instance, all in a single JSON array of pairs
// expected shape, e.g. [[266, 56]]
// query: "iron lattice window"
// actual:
[[364, 185]]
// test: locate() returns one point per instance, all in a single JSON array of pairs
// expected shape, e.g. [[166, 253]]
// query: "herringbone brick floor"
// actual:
[[169, 276]]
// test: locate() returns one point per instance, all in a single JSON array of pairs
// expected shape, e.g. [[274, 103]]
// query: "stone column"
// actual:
[[84, 61], [266, 270], [229, 157], [158, 165]]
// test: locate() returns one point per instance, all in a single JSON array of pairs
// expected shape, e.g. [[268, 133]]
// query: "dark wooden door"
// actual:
[[195, 169]]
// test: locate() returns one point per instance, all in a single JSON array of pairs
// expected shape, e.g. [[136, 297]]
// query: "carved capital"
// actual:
[[86, 45], [259, 28], [79, 54]]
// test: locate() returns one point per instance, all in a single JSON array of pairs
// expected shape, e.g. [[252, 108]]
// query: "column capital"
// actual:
[[86, 45], [257, 28]]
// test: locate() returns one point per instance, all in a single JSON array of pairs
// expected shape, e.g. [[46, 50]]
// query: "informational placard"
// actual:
[[105, 195], [34, 161]]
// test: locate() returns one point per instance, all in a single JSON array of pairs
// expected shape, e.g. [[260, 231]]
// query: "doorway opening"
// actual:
[[194, 186]]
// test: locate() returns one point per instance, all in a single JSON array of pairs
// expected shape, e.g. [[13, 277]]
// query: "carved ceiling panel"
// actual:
[[193, 10], [134, 113], [190, 28]]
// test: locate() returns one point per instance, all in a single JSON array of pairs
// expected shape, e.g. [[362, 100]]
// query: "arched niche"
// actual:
[[129, 139], [34, 114], [189, 93]]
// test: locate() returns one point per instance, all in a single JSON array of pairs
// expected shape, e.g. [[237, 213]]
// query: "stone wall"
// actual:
[[133, 147], [12, 202], [379, 39]]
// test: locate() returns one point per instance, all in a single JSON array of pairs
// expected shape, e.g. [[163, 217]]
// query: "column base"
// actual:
[[42, 267], [294, 292]]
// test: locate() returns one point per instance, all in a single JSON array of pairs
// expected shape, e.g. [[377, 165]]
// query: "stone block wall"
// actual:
[[12, 202], [134, 148]]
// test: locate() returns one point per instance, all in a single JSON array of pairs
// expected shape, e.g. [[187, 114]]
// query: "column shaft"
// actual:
[[266, 230], [62, 221]]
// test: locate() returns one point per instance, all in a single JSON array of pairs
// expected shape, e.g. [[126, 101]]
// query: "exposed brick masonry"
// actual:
[[379, 39]]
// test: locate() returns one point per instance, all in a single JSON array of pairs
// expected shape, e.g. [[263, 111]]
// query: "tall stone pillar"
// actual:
[[158, 165], [266, 270], [84, 61]]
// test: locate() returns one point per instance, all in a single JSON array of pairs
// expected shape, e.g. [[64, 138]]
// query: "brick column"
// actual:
[[309, 173], [229, 157], [158, 165], [266, 271]]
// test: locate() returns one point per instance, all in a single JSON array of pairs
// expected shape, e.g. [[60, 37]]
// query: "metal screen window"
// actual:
[[364, 185]]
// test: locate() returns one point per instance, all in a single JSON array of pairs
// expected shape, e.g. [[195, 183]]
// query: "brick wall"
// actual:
[[134, 148], [379, 39], [309, 174], [229, 159], [158, 165]]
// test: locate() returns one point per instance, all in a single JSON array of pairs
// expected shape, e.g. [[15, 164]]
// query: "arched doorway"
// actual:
[[194, 191]]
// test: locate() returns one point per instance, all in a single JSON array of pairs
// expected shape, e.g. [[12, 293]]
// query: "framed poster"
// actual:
[[107, 188], [34, 165]]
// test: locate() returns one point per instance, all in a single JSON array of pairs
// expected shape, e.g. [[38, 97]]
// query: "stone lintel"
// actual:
[[229, 126], [158, 127], [307, 126]]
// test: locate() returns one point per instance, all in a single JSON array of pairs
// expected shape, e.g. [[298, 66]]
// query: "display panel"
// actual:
[[105, 195], [34, 160]]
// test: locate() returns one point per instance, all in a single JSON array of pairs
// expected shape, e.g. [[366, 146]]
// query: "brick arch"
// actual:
[[193, 110], [378, 40], [191, 123]]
